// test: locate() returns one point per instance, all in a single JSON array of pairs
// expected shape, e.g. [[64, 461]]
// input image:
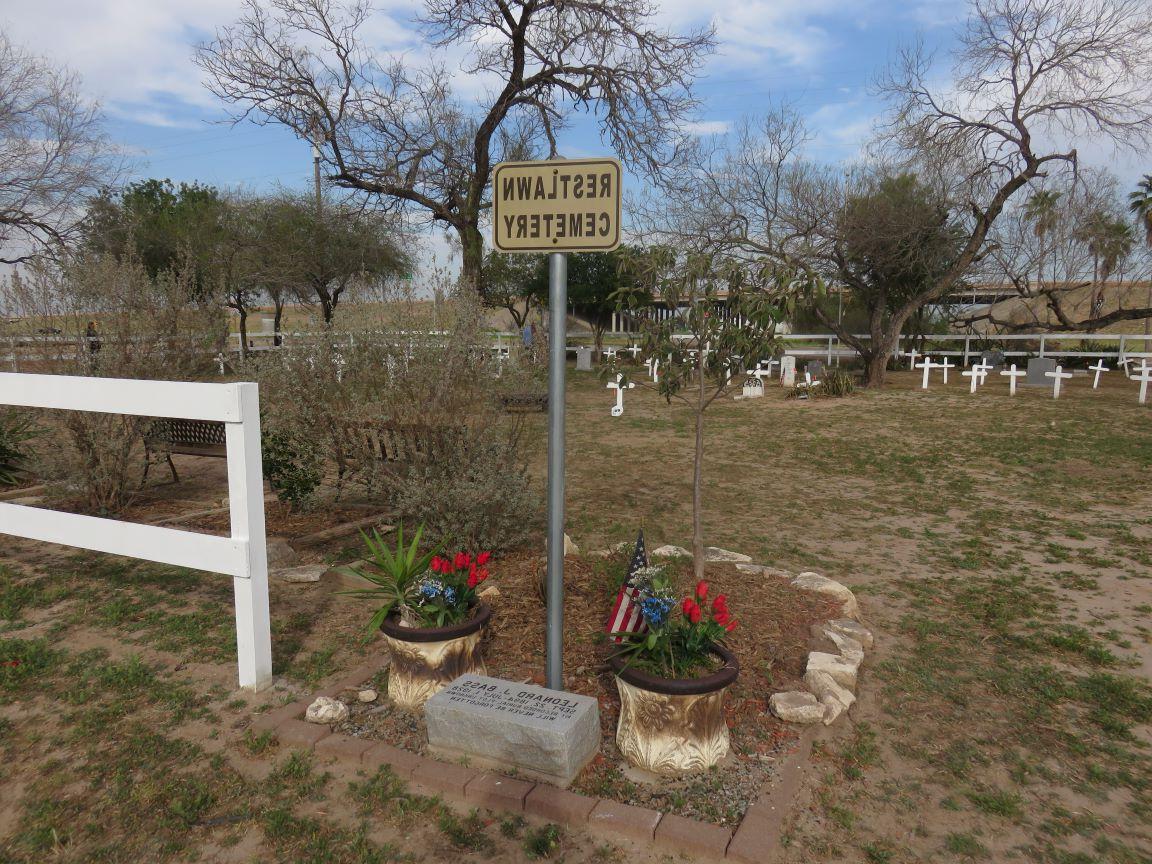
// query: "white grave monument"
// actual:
[[753, 388], [945, 364], [653, 366], [1098, 368], [788, 371], [1057, 379], [975, 374], [1143, 375], [1013, 373], [619, 387]]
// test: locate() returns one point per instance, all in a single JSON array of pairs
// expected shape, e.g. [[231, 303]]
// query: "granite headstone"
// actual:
[[583, 359], [1037, 369], [541, 733]]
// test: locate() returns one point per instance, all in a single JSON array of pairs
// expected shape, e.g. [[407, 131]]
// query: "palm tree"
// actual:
[[1041, 210], [1140, 205], [1109, 241]]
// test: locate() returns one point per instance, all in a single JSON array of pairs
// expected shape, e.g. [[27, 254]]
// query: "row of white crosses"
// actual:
[[928, 366]]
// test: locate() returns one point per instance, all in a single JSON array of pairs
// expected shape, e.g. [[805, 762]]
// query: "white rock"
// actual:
[[716, 555], [670, 551], [853, 630], [761, 570], [326, 710], [849, 648], [839, 668], [367, 695], [570, 547], [797, 706], [832, 696], [307, 573], [829, 587], [488, 594]]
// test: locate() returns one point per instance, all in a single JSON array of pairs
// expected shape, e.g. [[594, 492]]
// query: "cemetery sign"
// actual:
[[562, 205]]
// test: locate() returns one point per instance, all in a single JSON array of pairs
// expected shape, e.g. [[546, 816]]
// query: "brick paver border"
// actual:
[[756, 840]]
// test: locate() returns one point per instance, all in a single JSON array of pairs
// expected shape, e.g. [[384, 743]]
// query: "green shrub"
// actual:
[[16, 431], [292, 468], [836, 383]]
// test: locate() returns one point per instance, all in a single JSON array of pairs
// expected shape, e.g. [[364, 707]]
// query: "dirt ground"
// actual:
[[999, 549]]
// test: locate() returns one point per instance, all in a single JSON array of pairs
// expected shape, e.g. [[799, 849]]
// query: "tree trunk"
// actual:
[[471, 258], [875, 367], [278, 316], [243, 313], [698, 482]]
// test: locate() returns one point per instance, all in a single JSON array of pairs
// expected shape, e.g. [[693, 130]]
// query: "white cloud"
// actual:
[[707, 127]]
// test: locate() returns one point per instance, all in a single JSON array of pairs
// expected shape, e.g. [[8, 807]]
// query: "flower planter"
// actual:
[[427, 659], [673, 725]]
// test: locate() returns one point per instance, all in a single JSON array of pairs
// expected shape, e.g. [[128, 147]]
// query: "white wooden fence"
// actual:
[[243, 556]]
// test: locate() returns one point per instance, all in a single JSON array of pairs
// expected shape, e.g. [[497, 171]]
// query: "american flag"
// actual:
[[626, 617]]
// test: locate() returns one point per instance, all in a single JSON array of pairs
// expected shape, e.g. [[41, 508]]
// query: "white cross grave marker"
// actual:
[[975, 374], [984, 368], [768, 364], [610, 353], [760, 373], [633, 350], [1144, 375], [1057, 379], [653, 365], [912, 355], [927, 366], [945, 365], [1012, 374], [1098, 368], [616, 385]]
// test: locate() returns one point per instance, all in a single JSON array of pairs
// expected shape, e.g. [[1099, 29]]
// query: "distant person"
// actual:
[[92, 335]]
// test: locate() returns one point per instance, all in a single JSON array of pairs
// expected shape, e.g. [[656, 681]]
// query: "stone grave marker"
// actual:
[[544, 734], [583, 359], [753, 387], [788, 371], [1038, 369], [993, 359]]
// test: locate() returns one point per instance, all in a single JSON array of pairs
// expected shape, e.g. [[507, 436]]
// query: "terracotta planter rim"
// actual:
[[390, 626], [717, 680]]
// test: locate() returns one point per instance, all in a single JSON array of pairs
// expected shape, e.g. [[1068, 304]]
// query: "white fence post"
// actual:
[[246, 509]]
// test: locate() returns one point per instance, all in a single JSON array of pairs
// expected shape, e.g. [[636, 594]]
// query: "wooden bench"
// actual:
[[167, 436], [393, 445], [524, 402]]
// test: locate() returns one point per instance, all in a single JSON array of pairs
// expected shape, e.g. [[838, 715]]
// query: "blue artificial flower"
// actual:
[[655, 609]]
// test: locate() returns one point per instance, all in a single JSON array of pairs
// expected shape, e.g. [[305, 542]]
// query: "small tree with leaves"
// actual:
[[728, 312]]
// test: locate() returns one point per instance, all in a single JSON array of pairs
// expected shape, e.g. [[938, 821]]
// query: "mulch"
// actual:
[[771, 642]]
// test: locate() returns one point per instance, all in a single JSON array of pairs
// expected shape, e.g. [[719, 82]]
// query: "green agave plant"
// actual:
[[395, 573]]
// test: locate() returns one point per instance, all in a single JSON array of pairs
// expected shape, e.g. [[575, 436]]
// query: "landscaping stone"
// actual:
[[496, 792], [280, 554], [296, 733], [307, 573], [692, 839], [326, 710], [761, 570], [829, 587], [837, 667], [367, 695], [670, 551], [542, 733], [853, 630], [558, 805], [851, 650], [832, 696], [613, 819], [716, 555], [797, 706]]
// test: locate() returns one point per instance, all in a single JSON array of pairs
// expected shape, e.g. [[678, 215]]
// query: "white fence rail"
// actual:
[[243, 555]]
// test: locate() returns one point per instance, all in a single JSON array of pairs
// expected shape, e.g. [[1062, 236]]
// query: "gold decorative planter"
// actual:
[[673, 726], [427, 659]]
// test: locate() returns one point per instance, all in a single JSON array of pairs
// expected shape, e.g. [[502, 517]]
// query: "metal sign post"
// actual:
[[557, 340], [557, 206]]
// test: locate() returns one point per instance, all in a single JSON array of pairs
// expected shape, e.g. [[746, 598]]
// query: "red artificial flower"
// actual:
[[462, 560], [731, 626], [473, 580], [720, 604], [482, 574], [702, 589], [687, 604], [695, 614], [435, 565], [722, 617], [483, 558]]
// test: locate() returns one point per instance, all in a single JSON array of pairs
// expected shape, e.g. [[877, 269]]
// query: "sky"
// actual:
[[135, 57]]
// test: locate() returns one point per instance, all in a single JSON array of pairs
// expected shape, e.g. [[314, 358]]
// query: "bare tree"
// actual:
[[53, 155], [1031, 77], [396, 130]]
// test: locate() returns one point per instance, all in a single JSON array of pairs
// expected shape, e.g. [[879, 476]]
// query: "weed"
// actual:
[[468, 833], [542, 842]]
